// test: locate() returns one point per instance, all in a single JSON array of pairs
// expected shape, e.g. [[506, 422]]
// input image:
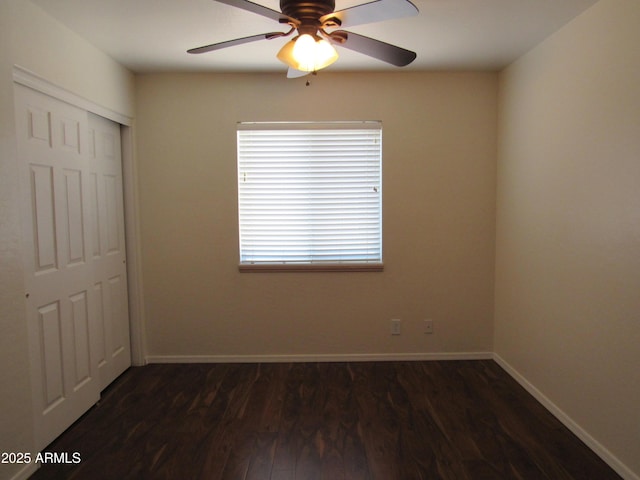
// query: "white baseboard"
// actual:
[[26, 471], [622, 470], [355, 357]]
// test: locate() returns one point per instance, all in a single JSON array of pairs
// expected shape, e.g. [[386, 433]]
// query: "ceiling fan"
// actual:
[[317, 26]]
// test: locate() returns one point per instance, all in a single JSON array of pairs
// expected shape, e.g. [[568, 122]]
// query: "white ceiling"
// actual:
[[153, 35]]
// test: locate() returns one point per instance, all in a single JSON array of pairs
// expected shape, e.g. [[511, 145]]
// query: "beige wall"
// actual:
[[568, 224], [31, 39], [15, 390], [438, 203]]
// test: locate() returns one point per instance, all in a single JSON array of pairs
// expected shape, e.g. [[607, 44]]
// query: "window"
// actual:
[[309, 196]]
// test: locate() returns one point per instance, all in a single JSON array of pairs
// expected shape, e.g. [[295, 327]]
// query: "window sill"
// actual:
[[311, 267]]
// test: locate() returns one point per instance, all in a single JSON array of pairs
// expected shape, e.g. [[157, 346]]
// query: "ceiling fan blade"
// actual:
[[371, 12], [237, 41], [386, 52], [293, 73], [259, 9]]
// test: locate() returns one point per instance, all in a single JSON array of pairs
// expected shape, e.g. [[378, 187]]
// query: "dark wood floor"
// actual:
[[384, 421]]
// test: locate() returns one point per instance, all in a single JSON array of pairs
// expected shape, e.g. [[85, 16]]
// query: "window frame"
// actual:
[[376, 265]]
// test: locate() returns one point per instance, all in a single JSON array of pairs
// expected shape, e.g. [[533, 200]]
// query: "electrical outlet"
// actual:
[[395, 326], [428, 326]]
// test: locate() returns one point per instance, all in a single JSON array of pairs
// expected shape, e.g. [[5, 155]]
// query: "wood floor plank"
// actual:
[[460, 420]]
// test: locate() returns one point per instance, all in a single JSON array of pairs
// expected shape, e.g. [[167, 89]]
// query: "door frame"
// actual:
[[29, 79]]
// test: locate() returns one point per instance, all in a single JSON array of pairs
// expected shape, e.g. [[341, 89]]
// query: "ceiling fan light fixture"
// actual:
[[308, 53]]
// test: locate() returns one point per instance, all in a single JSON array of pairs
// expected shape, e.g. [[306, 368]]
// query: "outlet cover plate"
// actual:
[[428, 326], [395, 326]]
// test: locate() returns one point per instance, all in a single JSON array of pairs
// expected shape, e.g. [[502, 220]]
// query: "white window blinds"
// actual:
[[310, 193]]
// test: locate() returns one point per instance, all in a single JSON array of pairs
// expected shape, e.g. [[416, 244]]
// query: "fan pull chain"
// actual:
[[314, 73]]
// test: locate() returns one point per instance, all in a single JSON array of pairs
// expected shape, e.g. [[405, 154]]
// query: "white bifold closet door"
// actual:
[[74, 256]]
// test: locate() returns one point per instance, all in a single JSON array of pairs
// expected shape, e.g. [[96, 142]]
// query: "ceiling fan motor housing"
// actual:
[[308, 12]]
